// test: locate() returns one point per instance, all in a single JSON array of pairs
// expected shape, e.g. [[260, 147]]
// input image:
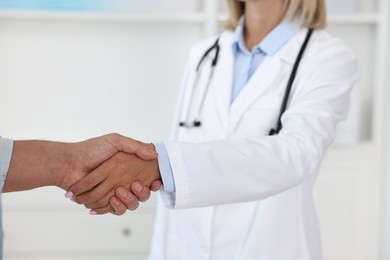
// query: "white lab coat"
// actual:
[[241, 194]]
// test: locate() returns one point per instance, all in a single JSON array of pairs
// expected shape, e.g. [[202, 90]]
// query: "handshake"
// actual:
[[108, 174]]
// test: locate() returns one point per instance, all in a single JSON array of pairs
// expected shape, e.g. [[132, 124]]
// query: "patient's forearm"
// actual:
[[41, 163], [37, 163]]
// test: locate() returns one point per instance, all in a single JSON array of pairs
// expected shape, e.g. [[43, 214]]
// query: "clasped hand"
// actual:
[[119, 182]]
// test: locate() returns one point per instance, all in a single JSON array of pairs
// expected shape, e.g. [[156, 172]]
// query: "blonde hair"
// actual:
[[312, 13]]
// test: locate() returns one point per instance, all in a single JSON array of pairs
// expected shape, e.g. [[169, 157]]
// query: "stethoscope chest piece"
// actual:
[[195, 121]]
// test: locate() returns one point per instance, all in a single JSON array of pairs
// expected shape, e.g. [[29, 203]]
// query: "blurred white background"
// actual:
[[115, 66]]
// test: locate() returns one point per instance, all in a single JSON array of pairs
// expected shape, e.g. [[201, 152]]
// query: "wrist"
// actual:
[[156, 170], [154, 163], [62, 165]]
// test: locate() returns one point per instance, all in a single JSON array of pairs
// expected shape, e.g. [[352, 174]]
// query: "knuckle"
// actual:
[[145, 196], [118, 207], [131, 201], [101, 211], [113, 135], [134, 206], [97, 204], [119, 212], [101, 204], [104, 210], [75, 190], [75, 200], [94, 195], [88, 206]]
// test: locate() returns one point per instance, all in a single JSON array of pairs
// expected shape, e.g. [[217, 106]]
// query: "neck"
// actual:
[[261, 17]]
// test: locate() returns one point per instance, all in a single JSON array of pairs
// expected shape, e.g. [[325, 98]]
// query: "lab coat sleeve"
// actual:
[[220, 172], [165, 168], [6, 147], [168, 196]]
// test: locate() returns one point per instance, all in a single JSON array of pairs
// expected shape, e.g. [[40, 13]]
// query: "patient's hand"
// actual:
[[97, 189]]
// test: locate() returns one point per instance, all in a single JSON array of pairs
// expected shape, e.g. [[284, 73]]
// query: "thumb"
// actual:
[[147, 152], [142, 150]]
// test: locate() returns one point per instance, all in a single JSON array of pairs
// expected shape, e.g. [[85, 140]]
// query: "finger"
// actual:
[[146, 152], [141, 191], [156, 185], [119, 208], [129, 199], [102, 202], [128, 145], [96, 197], [89, 181], [93, 187]]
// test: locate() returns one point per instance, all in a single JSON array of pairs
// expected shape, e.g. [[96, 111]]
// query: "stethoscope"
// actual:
[[196, 122]]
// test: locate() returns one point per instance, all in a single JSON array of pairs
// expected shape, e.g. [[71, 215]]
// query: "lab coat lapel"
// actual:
[[265, 77], [260, 81], [222, 85]]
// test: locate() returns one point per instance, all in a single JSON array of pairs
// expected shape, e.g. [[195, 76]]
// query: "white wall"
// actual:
[[71, 80]]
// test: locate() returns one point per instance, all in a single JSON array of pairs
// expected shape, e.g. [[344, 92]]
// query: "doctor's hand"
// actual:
[[97, 188], [129, 199]]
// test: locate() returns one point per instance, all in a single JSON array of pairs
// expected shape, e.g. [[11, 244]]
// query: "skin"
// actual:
[[121, 170], [261, 17], [124, 199], [41, 163]]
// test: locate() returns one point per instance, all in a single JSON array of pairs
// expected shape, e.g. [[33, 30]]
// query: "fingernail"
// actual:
[[116, 202], [152, 151], [68, 195], [122, 193], [137, 187], [92, 212], [72, 199]]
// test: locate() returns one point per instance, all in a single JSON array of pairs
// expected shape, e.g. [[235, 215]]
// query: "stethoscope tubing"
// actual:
[[197, 122], [290, 83]]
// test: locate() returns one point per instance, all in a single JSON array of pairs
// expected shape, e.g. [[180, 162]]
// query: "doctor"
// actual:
[[238, 192]]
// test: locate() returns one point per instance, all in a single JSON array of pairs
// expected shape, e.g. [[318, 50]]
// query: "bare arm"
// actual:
[[43, 163]]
